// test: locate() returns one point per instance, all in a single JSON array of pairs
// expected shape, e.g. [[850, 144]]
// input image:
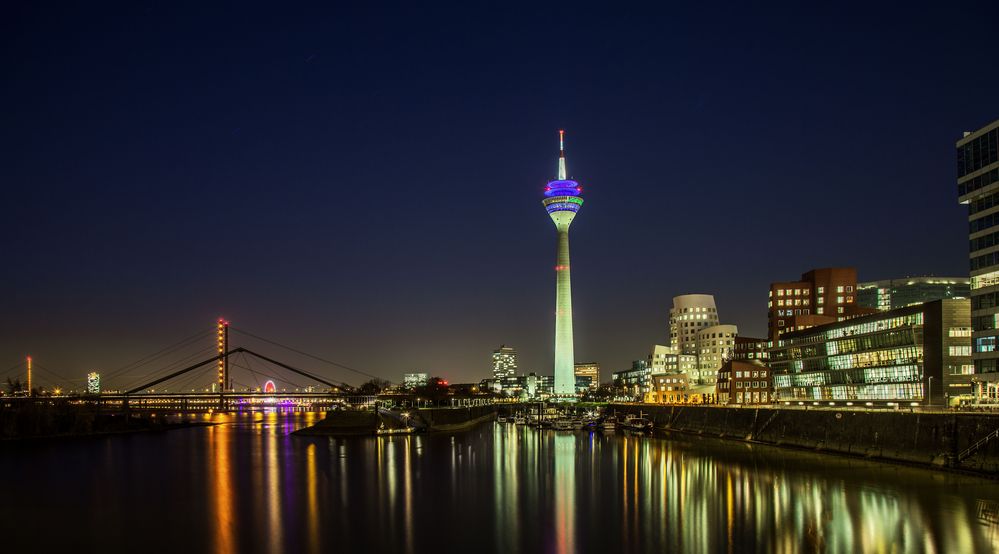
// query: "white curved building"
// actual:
[[715, 344], [690, 314]]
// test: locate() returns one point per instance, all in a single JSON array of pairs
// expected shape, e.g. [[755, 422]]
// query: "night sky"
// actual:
[[366, 185]]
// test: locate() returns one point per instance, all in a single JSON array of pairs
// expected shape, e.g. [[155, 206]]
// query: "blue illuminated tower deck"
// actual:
[[562, 201]]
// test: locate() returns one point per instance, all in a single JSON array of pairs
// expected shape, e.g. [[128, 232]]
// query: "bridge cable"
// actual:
[[173, 365], [348, 368], [159, 353], [255, 373]]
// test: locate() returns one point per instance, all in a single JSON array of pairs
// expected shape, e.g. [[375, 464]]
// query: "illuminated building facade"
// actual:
[[690, 313], [562, 201], [978, 187], [744, 382], [413, 380], [590, 372], [93, 383], [749, 348], [821, 296], [637, 379], [714, 345], [897, 293], [504, 365], [664, 359], [901, 356], [668, 388]]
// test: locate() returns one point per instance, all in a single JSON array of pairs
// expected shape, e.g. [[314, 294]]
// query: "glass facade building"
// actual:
[[899, 356], [890, 294], [978, 188]]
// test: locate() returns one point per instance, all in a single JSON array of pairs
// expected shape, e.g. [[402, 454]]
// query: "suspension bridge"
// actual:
[[202, 372]]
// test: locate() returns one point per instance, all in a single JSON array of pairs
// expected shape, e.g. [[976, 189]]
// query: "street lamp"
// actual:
[[929, 392]]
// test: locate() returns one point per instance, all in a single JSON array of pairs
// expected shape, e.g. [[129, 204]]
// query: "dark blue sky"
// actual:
[[366, 185]]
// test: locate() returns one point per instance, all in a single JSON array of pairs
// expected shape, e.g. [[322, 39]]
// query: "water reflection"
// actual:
[[246, 485]]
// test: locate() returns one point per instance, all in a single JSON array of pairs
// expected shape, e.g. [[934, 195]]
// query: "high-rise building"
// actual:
[[504, 365], [562, 202], [413, 380], [901, 356], [898, 293], [589, 371], [93, 383], [690, 313], [715, 344], [821, 296], [978, 187]]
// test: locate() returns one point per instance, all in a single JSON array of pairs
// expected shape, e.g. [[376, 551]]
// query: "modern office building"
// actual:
[[978, 187], [821, 296], [690, 313], [589, 371], [902, 356], [899, 293], [504, 365], [562, 202], [744, 382], [413, 380], [93, 383], [715, 344], [636, 380]]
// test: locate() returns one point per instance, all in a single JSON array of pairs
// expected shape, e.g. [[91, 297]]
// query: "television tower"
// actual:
[[562, 201]]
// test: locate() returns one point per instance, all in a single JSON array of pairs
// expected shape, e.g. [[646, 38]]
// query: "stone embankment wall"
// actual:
[[366, 422], [454, 419], [927, 438]]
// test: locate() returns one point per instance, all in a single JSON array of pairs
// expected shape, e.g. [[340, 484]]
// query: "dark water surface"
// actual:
[[246, 485]]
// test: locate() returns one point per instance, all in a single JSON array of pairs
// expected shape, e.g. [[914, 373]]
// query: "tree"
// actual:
[[14, 385], [435, 389], [373, 386]]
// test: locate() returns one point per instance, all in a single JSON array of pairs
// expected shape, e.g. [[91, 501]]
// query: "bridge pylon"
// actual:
[[222, 330]]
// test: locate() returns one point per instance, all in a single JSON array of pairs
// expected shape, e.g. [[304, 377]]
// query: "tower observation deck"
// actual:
[[562, 202]]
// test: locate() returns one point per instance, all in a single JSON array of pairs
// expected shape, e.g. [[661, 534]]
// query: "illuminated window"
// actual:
[[849, 299], [959, 332], [965, 350], [839, 309], [839, 288], [821, 300], [849, 288], [821, 290]]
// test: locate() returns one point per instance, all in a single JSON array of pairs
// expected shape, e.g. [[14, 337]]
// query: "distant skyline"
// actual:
[[364, 185]]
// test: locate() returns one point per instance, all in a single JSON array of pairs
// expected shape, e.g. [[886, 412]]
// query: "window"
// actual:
[[849, 299], [839, 288], [849, 288], [839, 309], [959, 332], [821, 300], [965, 350], [780, 292], [839, 299]]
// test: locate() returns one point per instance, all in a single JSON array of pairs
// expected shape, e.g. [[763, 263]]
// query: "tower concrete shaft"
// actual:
[[565, 375]]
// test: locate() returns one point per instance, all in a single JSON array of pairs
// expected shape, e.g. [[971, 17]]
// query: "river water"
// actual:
[[247, 485]]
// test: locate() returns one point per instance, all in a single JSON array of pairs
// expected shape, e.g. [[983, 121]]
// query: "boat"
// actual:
[[500, 419], [562, 424], [608, 424], [520, 420], [633, 423]]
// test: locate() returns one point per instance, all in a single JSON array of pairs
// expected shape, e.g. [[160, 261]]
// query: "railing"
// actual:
[[974, 447]]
